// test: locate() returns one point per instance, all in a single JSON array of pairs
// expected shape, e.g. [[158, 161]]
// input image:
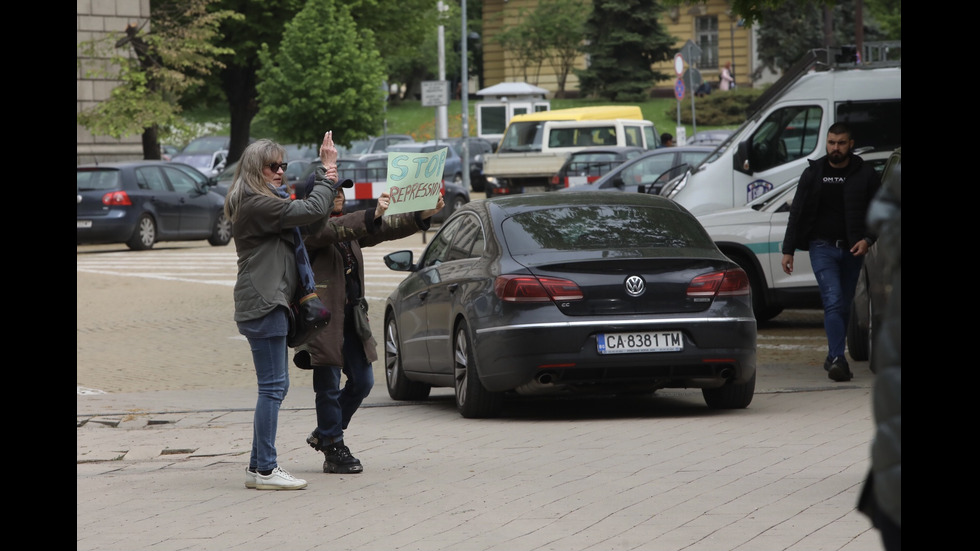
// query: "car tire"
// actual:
[[858, 339], [473, 401], [221, 235], [731, 395], [399, 386], [763, 309], [477, 183], [144, 235]]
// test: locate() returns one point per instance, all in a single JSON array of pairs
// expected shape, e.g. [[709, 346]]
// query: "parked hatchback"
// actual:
[[140, 203]]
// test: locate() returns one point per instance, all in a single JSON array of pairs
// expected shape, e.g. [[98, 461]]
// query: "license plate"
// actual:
[[84, 224], [577, 180], [633, 343]]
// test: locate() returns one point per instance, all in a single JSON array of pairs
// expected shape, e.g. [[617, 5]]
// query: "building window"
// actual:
[[706, 36]]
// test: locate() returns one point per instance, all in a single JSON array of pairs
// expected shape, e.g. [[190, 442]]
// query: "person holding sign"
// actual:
[[346, 346], [271, 265]]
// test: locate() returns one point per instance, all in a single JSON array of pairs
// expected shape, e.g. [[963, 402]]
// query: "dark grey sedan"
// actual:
[[142, 202], [564, 293]]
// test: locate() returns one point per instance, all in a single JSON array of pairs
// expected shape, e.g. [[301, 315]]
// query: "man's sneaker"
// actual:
[[278, 479], [826, 363], [250, 478], [839, 370], [339, 460]]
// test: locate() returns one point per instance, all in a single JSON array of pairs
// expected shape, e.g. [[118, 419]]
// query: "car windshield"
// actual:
[[206, 145], [626, 230], [359, 147], [200, 161], [522, 136]]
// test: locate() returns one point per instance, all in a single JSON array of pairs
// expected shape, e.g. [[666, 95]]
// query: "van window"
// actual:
[[876, 124], [786, 135], [634, 135]]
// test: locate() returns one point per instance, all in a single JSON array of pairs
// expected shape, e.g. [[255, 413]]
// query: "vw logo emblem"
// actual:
[[635, 286]]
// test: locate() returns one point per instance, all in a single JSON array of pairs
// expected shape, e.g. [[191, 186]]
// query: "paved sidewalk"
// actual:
[[164, 471]]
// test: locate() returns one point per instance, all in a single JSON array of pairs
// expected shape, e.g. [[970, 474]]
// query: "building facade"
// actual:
[[94, 19], [710, 25]]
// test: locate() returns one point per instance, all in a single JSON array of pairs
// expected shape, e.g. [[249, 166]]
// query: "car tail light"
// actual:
[[116, 199], [515, 288], [728, 283]]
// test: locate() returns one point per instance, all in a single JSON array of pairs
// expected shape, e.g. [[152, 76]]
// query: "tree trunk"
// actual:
[[151, 143], [239, 86]]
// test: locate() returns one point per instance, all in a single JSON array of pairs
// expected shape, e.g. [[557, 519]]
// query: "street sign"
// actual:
[[692, 78], [679, 64], [435, 93], [691, 53], [679, 89]]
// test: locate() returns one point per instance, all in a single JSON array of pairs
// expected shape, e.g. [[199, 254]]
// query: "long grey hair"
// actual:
[[248, 174]]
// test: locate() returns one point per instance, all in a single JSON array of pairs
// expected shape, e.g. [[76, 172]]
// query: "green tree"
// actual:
[[262, 24], [524, 45], [165, 59], [623, 41], [794, 28], [560, 24], [323, 80], [407, 36]]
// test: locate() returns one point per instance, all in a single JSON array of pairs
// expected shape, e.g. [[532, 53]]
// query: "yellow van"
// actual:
[[535, 145]]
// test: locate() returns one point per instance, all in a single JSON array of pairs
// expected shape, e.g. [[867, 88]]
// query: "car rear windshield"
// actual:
[[97, 180], [620, 230]]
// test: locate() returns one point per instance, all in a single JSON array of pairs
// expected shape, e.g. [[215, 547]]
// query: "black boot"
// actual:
[[338, 457]]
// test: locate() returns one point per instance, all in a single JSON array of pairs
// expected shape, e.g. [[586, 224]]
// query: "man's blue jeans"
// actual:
[[837, 272], [271, 370], [336, 406]]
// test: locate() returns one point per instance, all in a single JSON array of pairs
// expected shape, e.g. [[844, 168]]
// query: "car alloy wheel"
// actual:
[[472, 399], [399, 386]]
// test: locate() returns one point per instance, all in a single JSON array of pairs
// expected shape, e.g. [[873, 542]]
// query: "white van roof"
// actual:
[[849, 84]]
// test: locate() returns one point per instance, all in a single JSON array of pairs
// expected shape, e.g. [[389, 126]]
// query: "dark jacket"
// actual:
[[862, 184], [883, 487], [362, 230], [263, 233]]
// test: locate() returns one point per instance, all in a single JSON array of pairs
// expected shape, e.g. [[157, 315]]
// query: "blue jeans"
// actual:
[[271, 370], [335, 406], [837, 272]]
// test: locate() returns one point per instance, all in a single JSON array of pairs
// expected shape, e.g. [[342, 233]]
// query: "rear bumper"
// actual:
[[541, 358]]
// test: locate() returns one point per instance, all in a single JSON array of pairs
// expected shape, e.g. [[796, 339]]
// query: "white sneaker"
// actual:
[[278, 479], [249, 478]]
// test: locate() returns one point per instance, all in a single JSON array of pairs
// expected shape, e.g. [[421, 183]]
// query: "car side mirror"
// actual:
[[399, 261]]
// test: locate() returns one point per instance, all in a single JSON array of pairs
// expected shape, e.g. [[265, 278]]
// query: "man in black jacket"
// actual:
[[827, 218]]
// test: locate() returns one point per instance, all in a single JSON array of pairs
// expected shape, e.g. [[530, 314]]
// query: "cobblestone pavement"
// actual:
[[164, 409]]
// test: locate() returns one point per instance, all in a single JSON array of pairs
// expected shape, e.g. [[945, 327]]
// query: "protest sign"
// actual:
[[414, 180]]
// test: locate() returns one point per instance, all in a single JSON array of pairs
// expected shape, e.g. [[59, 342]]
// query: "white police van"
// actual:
[[788, 125]]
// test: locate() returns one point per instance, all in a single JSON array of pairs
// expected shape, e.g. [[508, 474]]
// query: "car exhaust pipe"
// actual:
[[545, 378], [727, 373]]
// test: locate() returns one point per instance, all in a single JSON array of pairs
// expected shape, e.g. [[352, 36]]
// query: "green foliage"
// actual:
[[794, 28], [623, 40], [162, 66], [725, 109], [560, 26], [322, 80]]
